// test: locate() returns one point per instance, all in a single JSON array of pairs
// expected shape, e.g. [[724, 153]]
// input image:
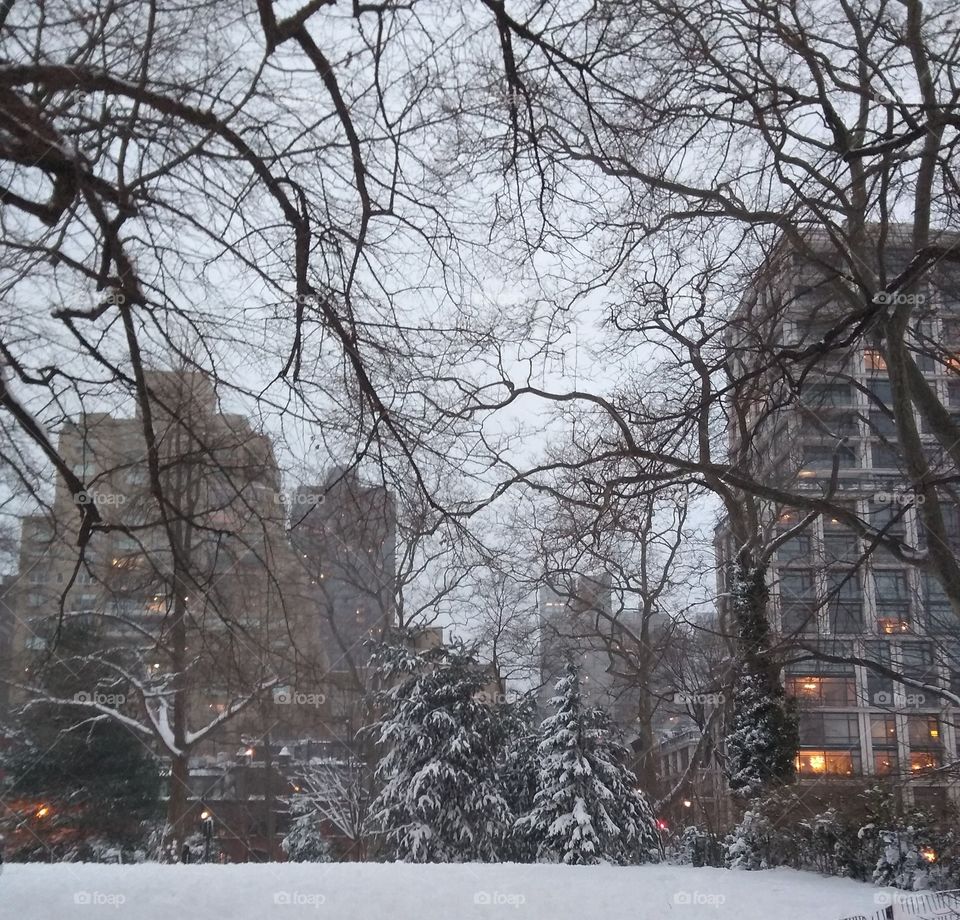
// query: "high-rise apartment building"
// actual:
[[344, 531], [828, 432], [344, 534], [213, 554]]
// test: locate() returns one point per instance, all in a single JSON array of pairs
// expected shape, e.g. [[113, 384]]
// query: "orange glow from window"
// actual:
[[818, 763]]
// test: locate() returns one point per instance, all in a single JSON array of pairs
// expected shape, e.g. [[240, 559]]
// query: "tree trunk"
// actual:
[[178, 804]]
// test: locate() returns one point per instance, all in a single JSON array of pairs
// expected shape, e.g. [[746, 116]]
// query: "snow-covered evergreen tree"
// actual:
[[747, 845], [304, 841], [587, 808], [517, 771], [441, 799], [763, 738]]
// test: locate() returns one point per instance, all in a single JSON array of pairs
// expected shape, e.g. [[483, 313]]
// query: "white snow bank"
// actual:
[[288, 891]]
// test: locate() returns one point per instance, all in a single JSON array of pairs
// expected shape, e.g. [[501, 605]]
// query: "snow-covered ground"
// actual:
[[448, 892]]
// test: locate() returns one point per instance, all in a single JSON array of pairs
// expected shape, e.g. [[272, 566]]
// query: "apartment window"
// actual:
[[829, 729], [880, 392], [891, 522], [883, 734], [834, 739], [918, 661], [951, 331], [799, 547], [840, 543], [926, 742], [889, 518], [879, 686], [920, 340], [881, 423], [84, 601], [812, 329], [924, 732], [844, 602], [873, 360], [951, 525], [892, 599], [828, 763], [829, 424], [953, 393], [798, 601], [939, 615], [822, 690], [883, 730], [884, 455], [828, 395], [820, 456], [952, 655]]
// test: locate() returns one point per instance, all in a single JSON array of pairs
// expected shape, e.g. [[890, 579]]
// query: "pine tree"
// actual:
[[304, 841], [441, 799], [587, 808], [763, 739], [517, 770], [100, 783]]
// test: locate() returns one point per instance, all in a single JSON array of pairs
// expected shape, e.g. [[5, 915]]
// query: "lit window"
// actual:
[[833, 763], [923, 760]]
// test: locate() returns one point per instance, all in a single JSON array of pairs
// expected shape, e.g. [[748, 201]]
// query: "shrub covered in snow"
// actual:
[[866, 837]]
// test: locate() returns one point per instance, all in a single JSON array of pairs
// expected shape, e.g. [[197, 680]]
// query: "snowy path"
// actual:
[[403, 892]]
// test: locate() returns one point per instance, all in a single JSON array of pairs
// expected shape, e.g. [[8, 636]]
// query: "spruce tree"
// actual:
[[518, 774], [304, 841], [587, 808], [441, 799], [763, 739]]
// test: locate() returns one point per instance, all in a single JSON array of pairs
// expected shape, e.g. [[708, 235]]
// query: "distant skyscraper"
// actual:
[[344, 532], [577, 624]]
